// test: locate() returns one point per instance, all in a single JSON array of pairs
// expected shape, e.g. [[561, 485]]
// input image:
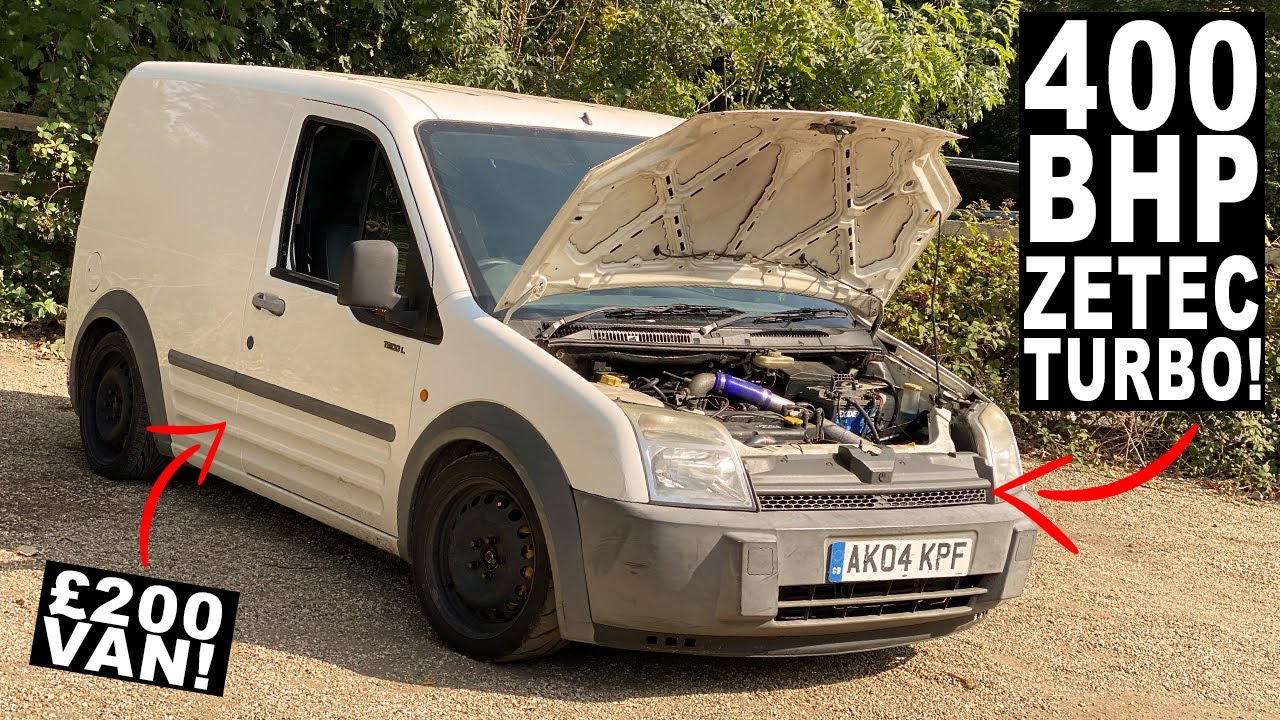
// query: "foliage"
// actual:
[[943, 65], [65, 59], [978, 331], [36, 228], [1242, 449], [990, 138], [978, 335]]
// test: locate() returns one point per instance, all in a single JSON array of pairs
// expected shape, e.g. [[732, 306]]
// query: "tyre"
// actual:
[[480, 563], [113, 413]]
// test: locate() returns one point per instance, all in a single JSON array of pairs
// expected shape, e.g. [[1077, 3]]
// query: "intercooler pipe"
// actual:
[[721, 383], [838, 433], [737, 389]]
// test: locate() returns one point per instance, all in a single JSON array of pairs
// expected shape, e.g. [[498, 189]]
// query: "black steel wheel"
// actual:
[[113, 413], [480, 562]]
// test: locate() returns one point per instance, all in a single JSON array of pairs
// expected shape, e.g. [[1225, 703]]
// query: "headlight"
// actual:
[[689, 459], [993, 436]]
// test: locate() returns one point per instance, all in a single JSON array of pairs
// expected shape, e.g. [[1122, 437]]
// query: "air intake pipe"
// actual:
[[739, 390], [719, 383]]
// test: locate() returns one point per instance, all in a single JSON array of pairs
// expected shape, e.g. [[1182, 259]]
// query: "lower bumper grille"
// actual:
[[867, 599], [871, 501]]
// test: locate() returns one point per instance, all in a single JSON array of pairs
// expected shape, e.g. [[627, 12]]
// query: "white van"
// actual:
[[599, 375]]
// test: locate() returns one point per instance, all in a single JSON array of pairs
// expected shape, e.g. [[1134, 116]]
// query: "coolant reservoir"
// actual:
[[910, 402], [772, 360]]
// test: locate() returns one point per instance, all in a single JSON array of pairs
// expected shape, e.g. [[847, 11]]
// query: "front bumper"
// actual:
[[710, 581]]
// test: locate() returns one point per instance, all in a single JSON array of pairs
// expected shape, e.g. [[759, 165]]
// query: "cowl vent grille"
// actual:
[[791, 333], [627, 335], [569, 329]]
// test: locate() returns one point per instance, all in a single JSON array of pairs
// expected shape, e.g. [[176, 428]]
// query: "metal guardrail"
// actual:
[[1000, 166]]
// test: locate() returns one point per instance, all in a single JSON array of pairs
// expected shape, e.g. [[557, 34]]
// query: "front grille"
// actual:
[[869, 599], [868, 501], [643, 336]]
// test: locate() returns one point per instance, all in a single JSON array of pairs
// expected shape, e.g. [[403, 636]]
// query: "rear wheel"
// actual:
[[480, 563], [113, 413]]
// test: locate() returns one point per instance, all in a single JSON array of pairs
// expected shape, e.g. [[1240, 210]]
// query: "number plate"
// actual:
[[899, 558]]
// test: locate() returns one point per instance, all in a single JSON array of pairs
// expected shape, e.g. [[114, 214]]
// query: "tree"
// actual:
[[990, 137], [941, 64]]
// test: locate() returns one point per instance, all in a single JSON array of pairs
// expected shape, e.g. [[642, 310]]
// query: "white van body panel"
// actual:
[[319, 349], [148, 226], [148, 221], [591, 437], [832, 205], [335, 411]]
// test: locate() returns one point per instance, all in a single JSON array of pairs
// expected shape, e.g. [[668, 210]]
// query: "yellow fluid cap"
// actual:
[[911, 386], [611, 379], [792, 420]]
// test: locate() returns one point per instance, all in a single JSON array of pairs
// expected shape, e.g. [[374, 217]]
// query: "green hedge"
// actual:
[[977, 302], [64, 59], [944, 64]]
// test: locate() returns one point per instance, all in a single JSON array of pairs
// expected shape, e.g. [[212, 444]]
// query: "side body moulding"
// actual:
[[307, 404]]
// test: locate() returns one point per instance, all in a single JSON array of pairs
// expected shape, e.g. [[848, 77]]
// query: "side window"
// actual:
[[342, 191], [385, 218]]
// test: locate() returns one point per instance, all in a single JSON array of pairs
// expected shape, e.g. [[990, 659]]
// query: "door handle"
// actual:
[[270, 303]]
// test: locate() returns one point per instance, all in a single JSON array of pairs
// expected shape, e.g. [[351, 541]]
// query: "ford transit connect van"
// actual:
[[599, 375]]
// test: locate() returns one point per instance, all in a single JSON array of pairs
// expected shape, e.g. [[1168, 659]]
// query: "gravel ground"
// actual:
[[1169, 611]]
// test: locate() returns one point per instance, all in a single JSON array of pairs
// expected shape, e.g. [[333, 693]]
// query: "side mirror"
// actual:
[[368, 277]]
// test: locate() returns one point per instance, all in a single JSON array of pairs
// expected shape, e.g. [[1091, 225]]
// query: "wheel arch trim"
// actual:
[[123, 309], [519, 443]]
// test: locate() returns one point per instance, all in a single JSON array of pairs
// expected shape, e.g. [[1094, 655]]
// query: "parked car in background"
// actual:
[[993, 183]]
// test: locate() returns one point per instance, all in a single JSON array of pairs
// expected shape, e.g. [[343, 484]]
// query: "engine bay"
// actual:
[[773, 396]]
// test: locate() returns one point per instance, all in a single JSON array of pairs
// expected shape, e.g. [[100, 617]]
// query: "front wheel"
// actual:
[[480, 563]]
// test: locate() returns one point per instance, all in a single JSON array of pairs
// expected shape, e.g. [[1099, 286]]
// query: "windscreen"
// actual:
[[502, 185]]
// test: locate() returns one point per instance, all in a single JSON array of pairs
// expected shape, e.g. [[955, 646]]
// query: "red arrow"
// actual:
[[1037, 517], [1129, 482], [149, 510], [1099, 492]]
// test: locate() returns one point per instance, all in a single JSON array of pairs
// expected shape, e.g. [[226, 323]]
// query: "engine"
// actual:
[[769, 398]]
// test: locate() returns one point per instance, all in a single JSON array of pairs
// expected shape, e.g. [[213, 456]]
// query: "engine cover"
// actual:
[[756, 429]]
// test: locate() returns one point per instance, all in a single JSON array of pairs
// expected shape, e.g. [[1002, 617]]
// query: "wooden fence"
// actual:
[[24, 123]]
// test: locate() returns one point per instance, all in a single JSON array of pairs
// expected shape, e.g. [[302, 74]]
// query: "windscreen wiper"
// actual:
[[786, 316], [677, 310], [620, 311]]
